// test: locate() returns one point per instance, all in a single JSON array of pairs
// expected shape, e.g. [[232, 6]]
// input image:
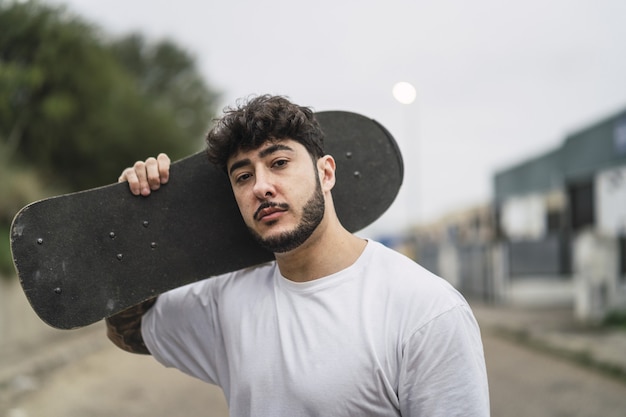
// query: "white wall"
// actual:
[[524, 216], [610, 196]]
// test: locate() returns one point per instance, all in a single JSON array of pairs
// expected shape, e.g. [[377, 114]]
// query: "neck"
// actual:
[[331, 248]]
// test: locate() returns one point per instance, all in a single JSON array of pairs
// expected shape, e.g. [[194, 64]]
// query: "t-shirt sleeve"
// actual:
[[443, 368], [181, 336]]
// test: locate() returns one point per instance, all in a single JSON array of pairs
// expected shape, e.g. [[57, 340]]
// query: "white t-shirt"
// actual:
[[384, 337]]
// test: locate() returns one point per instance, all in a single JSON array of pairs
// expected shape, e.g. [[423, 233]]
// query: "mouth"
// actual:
[[269, 211]]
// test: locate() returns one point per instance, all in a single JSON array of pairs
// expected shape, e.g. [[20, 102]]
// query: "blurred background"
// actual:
[[511, 119]]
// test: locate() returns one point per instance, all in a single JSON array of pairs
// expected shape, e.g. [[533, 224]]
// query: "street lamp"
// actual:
[[405, 93]]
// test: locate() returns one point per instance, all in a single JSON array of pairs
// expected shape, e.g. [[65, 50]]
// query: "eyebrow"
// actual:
[[265, 152]]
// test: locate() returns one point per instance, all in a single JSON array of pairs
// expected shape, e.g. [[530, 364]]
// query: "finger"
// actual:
[[133, 182], [123, 175], [164, 167], [152, 173], [142, 178]]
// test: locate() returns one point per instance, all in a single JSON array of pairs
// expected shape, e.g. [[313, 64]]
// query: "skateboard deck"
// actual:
[[85, 256]]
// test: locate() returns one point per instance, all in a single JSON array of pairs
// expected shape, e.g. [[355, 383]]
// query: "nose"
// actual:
[[263, 186]]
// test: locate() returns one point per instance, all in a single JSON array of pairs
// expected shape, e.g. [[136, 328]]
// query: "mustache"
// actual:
[[268, 204]]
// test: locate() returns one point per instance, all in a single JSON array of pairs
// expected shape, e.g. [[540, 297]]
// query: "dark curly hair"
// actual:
[[253, 122]]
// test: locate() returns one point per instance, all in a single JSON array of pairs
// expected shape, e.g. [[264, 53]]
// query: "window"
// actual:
[[553, 221], [581, 204]]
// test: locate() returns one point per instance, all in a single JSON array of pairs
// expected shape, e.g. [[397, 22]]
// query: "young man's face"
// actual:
[[279, 193]]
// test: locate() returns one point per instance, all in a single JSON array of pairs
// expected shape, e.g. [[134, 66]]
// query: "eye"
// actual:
[[242, 177], [280, 163]]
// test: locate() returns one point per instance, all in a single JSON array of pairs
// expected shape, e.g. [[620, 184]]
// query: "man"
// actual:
[[337, 325]]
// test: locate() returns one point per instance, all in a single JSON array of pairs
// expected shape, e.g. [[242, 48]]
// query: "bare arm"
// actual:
[[124, 329]]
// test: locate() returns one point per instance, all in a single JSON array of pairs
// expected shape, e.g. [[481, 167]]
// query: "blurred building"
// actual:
[[554, 233], [457, 247]]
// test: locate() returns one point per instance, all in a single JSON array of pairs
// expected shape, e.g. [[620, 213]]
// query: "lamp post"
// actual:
[[405, 93]]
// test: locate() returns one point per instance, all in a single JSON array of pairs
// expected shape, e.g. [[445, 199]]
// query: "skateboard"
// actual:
[[88, 255]]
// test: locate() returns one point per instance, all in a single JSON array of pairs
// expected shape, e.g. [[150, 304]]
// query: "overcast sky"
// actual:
[[497, 81]]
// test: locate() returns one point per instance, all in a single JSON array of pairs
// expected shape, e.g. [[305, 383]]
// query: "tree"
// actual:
[[76, 107], [168, 77], [80, 108]]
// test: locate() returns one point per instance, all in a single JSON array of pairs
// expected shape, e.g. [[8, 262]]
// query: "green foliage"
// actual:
[[167, 76], [80, 109], [616, 318], [6, 262], [20, 185], [77, 107]]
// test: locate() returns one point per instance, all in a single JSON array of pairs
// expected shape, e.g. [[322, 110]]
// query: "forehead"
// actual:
[[266, 149]]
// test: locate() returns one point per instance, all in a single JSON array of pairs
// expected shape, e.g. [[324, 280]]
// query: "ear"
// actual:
[[326, 170]]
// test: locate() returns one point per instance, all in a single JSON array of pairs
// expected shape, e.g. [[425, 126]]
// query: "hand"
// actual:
[[145, 177]]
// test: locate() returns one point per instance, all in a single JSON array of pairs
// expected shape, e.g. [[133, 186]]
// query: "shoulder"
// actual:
[[245, 280], [416, 290], [396, 269], [207, 298]]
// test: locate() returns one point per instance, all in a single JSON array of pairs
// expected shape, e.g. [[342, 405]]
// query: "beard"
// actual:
[[312, 215]]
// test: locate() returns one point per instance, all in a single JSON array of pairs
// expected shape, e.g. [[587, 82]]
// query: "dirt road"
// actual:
[[111, 383]]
